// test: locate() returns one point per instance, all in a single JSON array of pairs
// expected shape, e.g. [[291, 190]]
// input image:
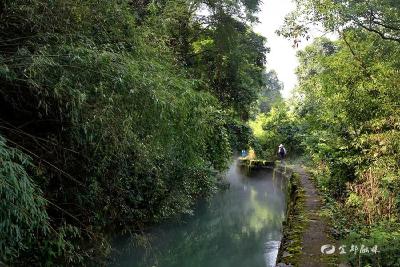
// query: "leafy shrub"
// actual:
[[22, 209]]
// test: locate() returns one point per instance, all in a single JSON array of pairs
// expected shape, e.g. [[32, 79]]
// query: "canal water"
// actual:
[[239, 227]]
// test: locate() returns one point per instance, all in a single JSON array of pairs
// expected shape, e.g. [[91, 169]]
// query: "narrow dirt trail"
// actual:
[[315, 234]]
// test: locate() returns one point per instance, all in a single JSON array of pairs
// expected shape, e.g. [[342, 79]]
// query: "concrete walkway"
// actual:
[[315, 233]]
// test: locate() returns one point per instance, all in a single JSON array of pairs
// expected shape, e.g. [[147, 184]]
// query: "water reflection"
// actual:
[[238, 227]]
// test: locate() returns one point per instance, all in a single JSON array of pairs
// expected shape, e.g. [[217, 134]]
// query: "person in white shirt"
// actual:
[[281, 152]]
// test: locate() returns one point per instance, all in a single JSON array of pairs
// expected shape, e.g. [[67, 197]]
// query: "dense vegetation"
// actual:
[[116, 114], [346, 116]]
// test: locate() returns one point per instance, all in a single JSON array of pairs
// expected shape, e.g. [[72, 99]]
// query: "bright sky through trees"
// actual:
[[282, 57]]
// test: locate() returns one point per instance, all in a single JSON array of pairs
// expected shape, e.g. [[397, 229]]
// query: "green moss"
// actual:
[[295, 224]]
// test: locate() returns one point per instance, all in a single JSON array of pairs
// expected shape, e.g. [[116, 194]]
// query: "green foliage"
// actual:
[[22, 208], [383, 237], [236, 77], [348, 88], [128, 109], [377, 16], [279, 126], [348, 101], [26, 232], [271, 92]]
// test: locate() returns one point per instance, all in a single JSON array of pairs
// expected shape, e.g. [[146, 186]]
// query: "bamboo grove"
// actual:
[[116, 114]]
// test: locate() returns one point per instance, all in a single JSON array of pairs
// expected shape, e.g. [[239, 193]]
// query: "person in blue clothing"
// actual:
[[281, 152]]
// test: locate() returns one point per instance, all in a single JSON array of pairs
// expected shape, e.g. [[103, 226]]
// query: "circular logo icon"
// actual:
[[327, 249]]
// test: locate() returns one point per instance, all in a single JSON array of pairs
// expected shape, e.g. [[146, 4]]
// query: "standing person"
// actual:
[[252, 154], [281, 152]]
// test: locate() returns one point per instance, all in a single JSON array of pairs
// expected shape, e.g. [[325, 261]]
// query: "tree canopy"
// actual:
[[115, 115], [346, 113]]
